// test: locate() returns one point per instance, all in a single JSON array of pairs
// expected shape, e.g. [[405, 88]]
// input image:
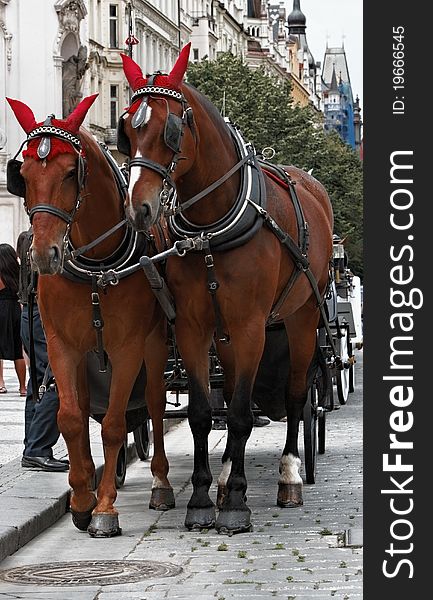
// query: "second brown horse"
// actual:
[[185, 160]]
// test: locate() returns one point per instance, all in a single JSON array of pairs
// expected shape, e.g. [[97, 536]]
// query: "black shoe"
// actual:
[[219, 424], [260, 421], [44, 463]]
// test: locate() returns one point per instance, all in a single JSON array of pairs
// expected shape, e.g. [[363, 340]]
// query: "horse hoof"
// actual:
[[162, 499], [81, 520], [104, 525], [289, 495], [230, 522], [200, 518]]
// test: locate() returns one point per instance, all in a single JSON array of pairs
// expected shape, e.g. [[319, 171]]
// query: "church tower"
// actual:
[[297, 25]]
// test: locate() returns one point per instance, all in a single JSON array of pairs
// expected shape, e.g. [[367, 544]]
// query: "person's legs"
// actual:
[[41, 431], [20, 368]]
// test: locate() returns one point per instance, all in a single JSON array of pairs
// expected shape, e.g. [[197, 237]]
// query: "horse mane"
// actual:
[[210, 108]]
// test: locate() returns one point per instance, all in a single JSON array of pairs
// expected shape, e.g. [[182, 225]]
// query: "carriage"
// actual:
[[236, 246]]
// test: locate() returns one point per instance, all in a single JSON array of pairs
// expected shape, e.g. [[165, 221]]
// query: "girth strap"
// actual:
[[98, 324], [302, 266]]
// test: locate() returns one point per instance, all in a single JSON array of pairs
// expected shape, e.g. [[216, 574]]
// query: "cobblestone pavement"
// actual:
[[313, 552]]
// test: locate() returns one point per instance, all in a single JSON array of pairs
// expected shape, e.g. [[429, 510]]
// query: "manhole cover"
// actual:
[[96, 572]]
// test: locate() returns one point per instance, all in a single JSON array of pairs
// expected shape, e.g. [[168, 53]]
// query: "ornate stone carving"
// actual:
[[8, 44], [70, 13]]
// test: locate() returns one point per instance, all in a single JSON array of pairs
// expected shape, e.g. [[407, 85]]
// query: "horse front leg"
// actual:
[[194, 349], [247, 343], [73, 423], [155, 358], [225, 355], [301, 334], [125, 367]]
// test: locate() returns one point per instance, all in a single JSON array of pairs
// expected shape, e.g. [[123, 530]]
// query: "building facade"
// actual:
[[55, 52]]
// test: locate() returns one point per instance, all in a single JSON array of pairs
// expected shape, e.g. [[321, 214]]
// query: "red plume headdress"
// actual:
[[172, 81], [71, 124]]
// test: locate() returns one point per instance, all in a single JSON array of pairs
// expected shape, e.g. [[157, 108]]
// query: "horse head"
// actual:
[[51, 179], [157, 133]]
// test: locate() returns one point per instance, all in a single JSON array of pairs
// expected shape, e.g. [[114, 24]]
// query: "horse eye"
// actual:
[[71, 174]]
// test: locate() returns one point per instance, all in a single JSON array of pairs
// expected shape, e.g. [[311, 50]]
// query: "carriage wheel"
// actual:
[[321, 420], [142, 440], [351, 372], [342, 375], [310, 434], [121, 464]]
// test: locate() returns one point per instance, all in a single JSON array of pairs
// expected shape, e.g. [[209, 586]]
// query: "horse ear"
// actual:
[[133, 72], [77, 116], [178, 71], [24, 114]]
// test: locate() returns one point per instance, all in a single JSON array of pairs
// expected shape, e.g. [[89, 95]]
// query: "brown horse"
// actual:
[[78, 233], [187, 161]]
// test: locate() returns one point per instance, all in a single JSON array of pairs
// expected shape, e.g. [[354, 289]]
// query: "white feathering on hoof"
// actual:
[[289, 469]]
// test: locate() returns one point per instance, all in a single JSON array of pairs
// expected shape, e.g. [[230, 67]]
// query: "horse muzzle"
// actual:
[[47, 262], [141, 217]]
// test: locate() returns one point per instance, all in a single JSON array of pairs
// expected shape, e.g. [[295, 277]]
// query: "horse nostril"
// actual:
[[145, 210], [54, 255]]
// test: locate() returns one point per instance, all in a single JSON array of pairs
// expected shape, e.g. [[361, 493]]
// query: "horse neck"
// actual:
[[101, 207], [215, 156]]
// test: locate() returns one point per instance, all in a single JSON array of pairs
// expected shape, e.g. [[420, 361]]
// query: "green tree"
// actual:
[[263, 108]]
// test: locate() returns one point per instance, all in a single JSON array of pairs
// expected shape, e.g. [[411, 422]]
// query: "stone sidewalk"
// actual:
[[309, 553]]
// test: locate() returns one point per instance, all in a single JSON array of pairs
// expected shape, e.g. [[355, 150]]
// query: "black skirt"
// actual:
[[11, 347]]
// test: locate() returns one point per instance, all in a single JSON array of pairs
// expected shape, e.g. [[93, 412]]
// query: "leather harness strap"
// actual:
[[98, 324], [212, 286]]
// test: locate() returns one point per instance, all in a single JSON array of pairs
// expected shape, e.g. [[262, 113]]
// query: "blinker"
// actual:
[[44, 147], [140, 115]]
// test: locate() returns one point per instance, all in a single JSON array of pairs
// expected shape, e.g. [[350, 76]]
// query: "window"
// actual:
[[195, 54], [114, 26], [114, 105]]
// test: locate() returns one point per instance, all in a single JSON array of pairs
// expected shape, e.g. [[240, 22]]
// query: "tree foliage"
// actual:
[[262, 107]]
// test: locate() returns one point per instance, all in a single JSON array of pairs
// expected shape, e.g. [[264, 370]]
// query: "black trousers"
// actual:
[[41, 431]]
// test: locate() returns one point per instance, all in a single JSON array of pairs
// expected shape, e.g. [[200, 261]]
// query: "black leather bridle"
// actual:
[[15, 181], [173, 133]]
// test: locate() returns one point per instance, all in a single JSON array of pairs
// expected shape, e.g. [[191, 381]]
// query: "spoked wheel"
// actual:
[[321, 430], [342, 375], [351, 372], [310, 434], [326, 398], [142, 440], [121, 465]]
